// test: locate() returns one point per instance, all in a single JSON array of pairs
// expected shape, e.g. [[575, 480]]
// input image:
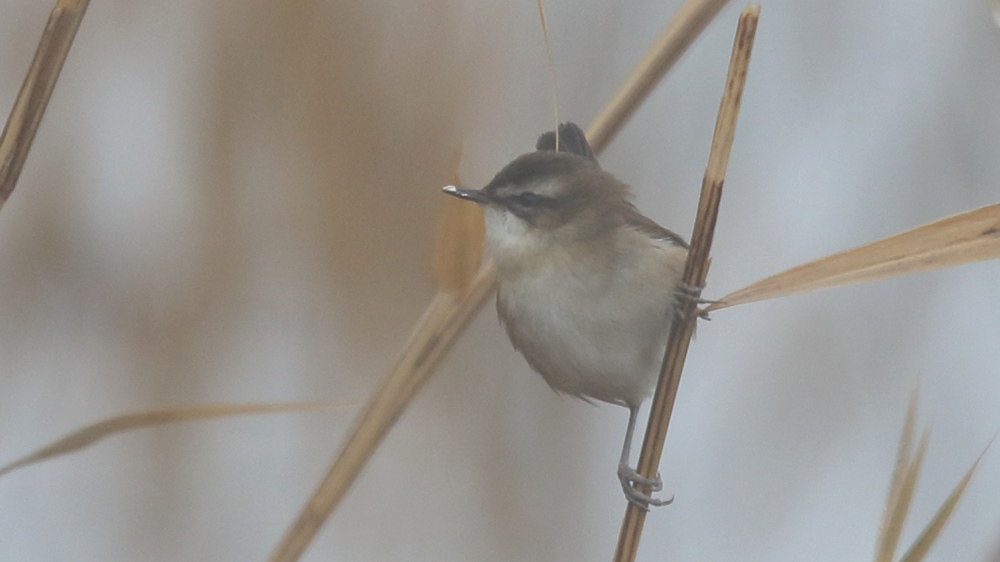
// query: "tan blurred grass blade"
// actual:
[[458, 246], [463, 287], [552, 70], [896, 505], [433, 336], [33, 97], [965, 238], [923, 544], [683, 28], [460, 236], [127, 422]]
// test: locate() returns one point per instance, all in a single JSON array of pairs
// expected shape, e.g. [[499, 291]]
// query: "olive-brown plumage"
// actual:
[[586, 284]]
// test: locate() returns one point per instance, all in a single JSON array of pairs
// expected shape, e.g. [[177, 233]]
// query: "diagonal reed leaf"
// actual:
[[922, 545], [904, 481], [965, 238], [903, 495], [33, 97], [890, 528], [93, 433]]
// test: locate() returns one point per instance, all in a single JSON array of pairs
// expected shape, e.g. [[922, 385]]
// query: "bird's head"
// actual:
[[544, 201]]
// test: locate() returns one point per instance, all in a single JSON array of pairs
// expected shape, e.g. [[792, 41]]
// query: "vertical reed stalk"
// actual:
[[695, 272]]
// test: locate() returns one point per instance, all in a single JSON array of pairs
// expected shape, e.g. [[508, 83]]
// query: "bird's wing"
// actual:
[[649, 227]]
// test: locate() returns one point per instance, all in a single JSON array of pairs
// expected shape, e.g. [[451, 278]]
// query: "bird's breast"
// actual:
[[592, 332]]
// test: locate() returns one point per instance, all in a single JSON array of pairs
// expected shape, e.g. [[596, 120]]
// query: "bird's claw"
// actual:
[[629, 478]]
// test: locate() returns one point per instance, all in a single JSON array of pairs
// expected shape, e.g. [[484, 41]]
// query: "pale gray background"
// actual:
[[235, 201]]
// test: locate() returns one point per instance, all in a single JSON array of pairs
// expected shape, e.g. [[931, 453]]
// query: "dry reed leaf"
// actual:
[[906, 490], [904, 483], [965, 238], [36, 89], [463, 287], [435, 332], [127, 422], [682, 29], [889, 528], [458, 246], [552, 70], [923, 544]]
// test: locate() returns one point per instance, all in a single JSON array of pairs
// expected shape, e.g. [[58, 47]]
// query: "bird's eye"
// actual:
[[528, 199]]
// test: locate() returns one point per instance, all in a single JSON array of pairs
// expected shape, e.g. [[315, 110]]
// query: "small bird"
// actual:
[[587, 287]]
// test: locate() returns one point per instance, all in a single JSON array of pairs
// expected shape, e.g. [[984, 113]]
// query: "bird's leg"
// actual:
[[628, 475]]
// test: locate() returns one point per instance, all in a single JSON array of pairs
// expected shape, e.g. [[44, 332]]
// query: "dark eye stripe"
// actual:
[[528, 200], [528, 204]]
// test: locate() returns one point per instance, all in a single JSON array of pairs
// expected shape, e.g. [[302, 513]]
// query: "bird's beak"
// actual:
[[477, 195]]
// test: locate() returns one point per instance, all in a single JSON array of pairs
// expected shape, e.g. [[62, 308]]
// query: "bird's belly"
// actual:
[[586, 339]]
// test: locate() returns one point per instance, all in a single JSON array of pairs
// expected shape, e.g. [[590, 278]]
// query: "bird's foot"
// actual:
[[692, 293], [629, 478]]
